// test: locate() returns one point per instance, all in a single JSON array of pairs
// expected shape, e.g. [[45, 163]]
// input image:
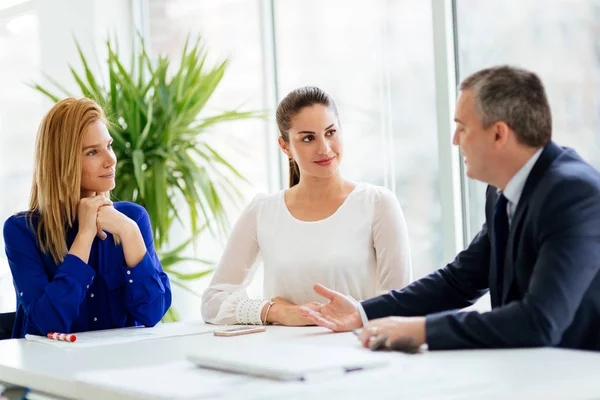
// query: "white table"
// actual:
[[526, 373]]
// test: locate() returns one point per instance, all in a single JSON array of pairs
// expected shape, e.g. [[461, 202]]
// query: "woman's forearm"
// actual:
[[134, 247], [82, 245]]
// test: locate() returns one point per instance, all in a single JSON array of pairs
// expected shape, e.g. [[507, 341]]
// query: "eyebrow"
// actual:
[[96, 145], [306, 132]]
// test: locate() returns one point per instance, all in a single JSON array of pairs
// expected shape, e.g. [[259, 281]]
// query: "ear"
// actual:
[[285, 147], [501, 133]]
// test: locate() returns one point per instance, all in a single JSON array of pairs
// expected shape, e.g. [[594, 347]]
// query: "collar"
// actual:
[[514, 187]]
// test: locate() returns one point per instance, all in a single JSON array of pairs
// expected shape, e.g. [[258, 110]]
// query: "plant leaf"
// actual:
[[37, 87], [138, 162], [156, 116]]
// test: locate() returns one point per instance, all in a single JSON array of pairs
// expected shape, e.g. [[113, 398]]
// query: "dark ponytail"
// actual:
[[294, 172], [291, 105]]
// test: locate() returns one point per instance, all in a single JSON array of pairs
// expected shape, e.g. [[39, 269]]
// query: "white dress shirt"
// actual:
[[514, 187], [361, 250]]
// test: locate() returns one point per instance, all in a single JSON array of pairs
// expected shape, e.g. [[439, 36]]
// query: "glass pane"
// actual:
[[20, 113], [230, 29], [375, 59], [171, 21], [558, 40]]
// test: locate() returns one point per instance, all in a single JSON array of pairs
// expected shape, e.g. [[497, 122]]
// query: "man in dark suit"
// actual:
[[538, 252]]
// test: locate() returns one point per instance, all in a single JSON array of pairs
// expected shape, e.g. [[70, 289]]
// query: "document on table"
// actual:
[[285, 361], [131, 334], [175, 380], [183, 380]]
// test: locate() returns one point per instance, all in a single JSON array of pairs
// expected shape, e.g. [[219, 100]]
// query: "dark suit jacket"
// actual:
[[551, 284]]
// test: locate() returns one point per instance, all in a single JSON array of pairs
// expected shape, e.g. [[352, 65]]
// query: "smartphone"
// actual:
[[244, 330]]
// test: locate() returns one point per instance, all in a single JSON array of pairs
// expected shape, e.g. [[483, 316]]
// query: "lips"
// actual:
[[325, 161], [111, 175]]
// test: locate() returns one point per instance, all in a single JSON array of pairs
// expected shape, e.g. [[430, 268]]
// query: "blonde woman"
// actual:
[[324, 228], [79, 261]]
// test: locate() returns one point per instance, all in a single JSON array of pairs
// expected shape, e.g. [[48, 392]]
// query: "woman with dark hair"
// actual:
[[324, 228]]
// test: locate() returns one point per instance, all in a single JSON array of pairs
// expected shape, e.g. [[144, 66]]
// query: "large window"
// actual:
[[20, 112], [559, 40], [171, 21], [376, 60], [232, 30], [36, 37]]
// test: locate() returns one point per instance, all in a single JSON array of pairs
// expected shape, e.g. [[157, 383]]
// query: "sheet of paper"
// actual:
[[175, 380], [132, 334], [285, 361], [181, 380]]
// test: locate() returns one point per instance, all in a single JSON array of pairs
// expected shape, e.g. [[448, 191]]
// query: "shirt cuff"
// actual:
[[363, 314], [142, 271], [144, 274], [248, 311]]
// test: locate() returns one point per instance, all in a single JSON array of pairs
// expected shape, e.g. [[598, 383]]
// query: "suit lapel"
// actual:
[[549, 154]]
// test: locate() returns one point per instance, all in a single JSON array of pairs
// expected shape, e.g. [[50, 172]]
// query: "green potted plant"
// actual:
[[162, 155]]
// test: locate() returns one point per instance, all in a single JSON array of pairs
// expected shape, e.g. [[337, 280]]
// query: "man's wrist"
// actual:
[[421, 335]]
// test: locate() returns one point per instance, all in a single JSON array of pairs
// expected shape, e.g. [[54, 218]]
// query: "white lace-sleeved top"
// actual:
[[361, 250]]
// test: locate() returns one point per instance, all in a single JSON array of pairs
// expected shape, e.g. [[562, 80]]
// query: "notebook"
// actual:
[[289, 361]]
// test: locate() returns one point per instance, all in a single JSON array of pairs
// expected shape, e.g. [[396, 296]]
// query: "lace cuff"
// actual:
[[248, 311]]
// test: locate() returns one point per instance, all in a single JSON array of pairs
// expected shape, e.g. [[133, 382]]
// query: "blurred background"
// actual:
[[378, 59]]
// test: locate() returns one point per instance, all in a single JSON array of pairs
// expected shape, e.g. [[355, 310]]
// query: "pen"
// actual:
[[65, 337]]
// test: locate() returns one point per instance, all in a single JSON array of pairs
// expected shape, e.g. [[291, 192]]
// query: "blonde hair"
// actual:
[[56, 188]]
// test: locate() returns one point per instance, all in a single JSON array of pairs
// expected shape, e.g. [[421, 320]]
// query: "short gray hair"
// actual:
[[515, 96]]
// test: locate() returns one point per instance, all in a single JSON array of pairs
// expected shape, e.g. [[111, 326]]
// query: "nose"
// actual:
[[324, 146], [110, 159], [455, 139]]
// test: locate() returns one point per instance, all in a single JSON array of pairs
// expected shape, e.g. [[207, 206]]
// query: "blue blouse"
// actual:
[[76, 297]]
